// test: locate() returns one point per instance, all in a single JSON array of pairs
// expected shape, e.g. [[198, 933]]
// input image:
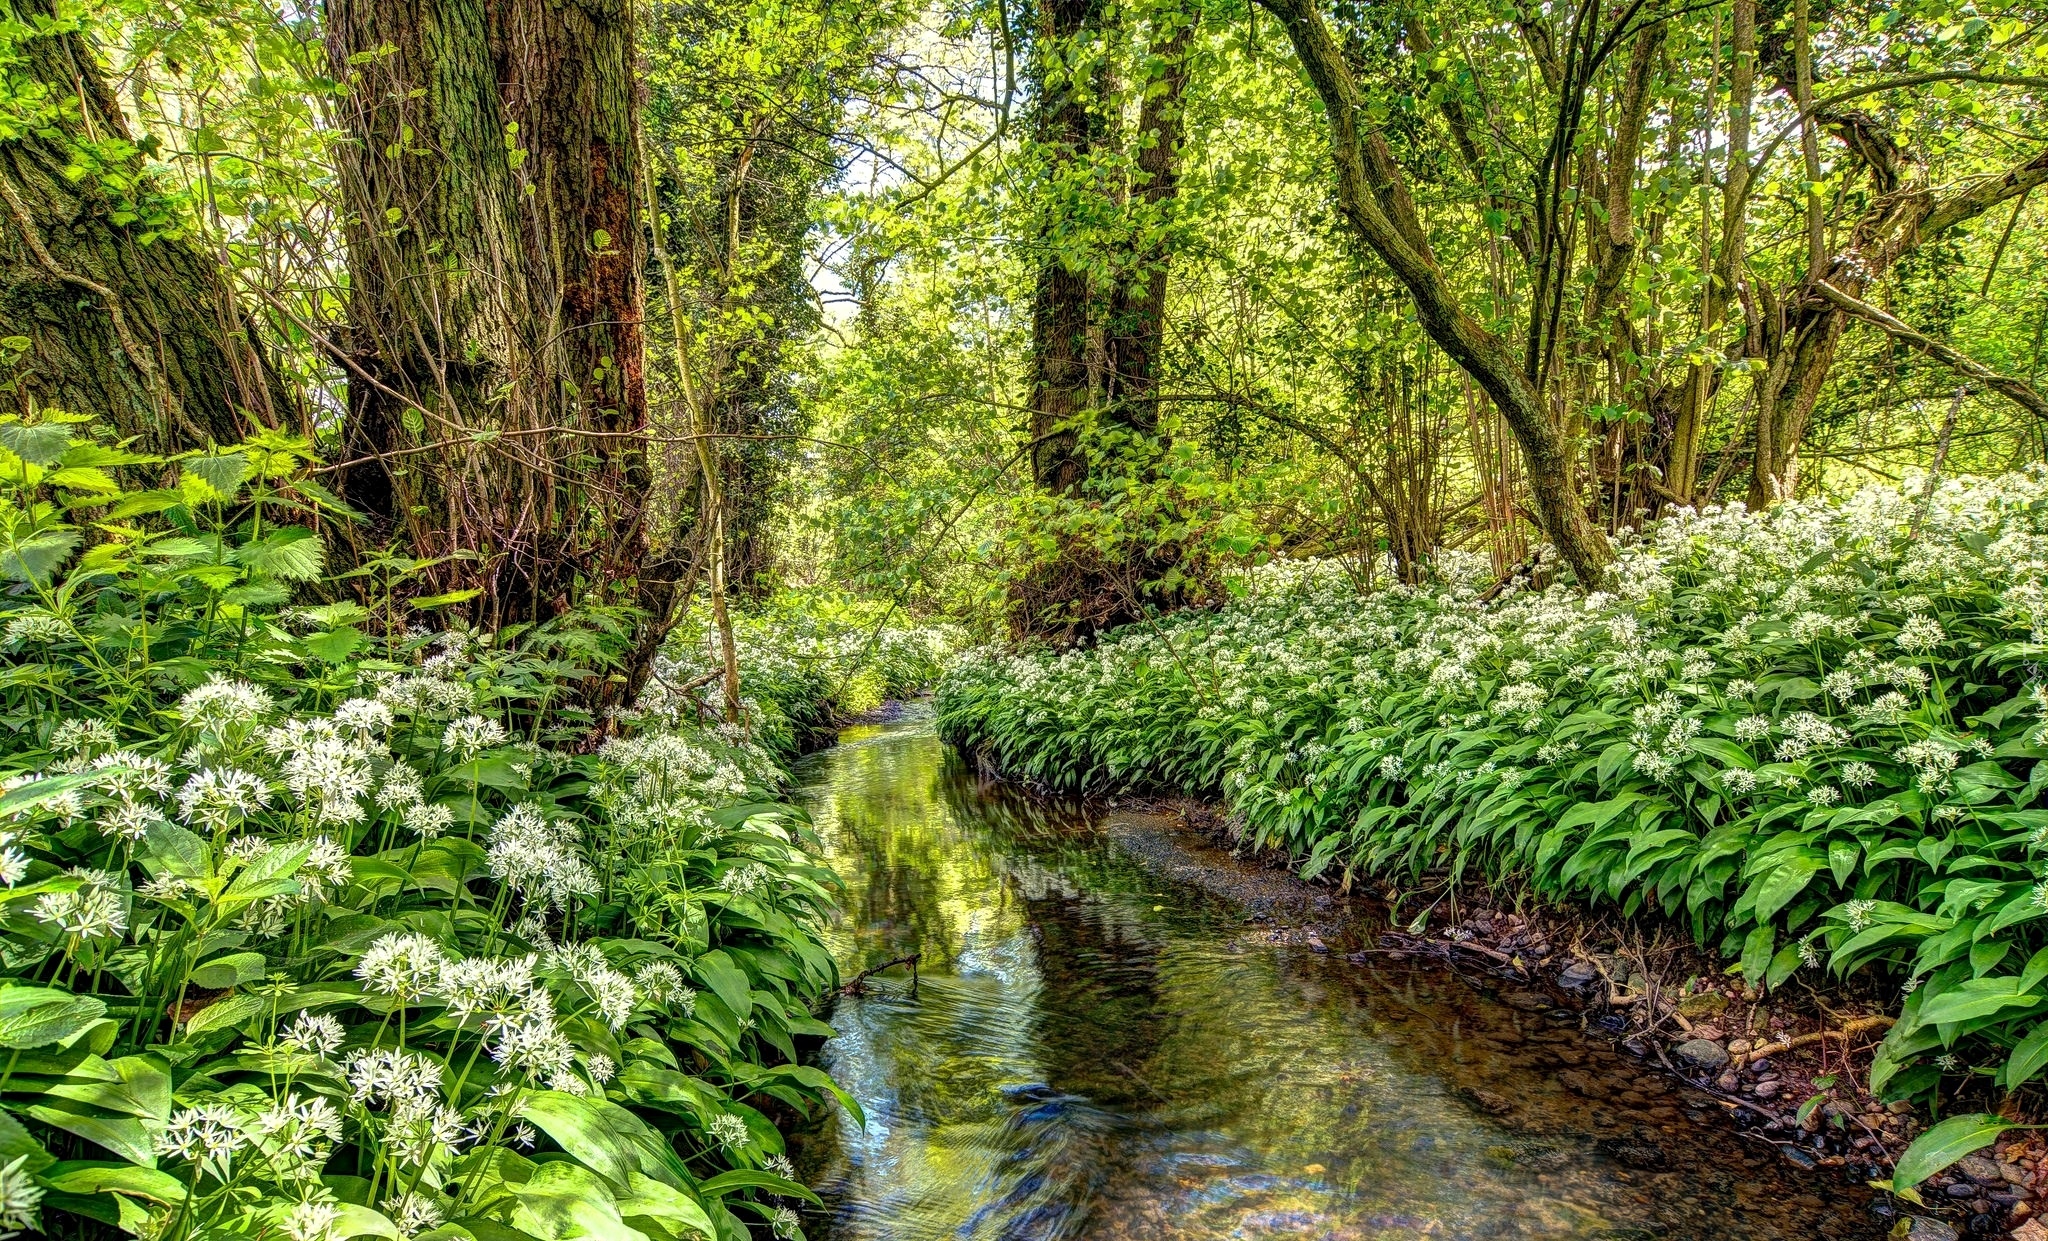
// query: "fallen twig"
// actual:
[[1862, 1025], [860, 981]]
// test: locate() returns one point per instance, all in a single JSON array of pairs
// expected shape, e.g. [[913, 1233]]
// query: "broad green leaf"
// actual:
[[49, 1022], [1945, 1143], [80, 1177]]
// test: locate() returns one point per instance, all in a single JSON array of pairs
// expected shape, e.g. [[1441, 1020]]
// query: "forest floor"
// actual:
[[1788, 1069]]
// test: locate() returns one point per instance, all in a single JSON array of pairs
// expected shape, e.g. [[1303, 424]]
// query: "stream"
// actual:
[[1098, 1047]]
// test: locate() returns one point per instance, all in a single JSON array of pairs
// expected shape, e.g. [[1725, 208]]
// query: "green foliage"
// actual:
[[808, 661], [1813, 735], [305, 931]]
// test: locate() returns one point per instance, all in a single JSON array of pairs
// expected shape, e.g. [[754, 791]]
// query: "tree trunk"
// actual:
[[1137, 314], [1066, 129], [495, 298], [137, 327]]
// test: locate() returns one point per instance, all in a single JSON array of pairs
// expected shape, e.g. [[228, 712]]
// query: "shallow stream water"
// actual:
[[1096, 1047]]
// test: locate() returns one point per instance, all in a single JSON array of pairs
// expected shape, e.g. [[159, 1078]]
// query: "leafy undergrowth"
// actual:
[[808, 662], [1813, 736], [308, 932]]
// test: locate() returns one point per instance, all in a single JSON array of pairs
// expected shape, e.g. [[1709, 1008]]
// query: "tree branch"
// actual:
[[2018, 391]]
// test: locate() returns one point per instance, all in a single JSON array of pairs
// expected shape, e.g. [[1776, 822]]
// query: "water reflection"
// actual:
[[1095, 1052]]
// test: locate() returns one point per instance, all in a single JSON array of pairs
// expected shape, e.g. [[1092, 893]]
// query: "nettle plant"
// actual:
[[303, 934], [1813, 735]]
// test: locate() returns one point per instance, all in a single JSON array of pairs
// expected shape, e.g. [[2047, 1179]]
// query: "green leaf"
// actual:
[[442, 601], [39, 555], [1756, 954], [564, 1202], [34, 794], [1945, 1143], [726, 980], [40, 444], [124, 1136], [293, 554], [1785, 882], [223, 1013], [232, 970], [2027, 1059], [48, 1022], [604, 1137], [748, 1178], [16, 1141], [82, 1177], [223, 474]]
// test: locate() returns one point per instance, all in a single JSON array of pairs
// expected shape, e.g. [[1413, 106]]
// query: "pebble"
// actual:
[[1702, 1053], [1738, 1046], [1961, 1189], [1921, 1228], [1768, 1090], [1705, 1004], [1981, 1170], [1578, 974]]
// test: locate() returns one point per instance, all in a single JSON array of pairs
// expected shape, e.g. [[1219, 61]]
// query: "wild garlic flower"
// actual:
[[211, 1131], [1858, 774], [531, 1044], [404, 964], [365, 718], [312, 1221], [1919, 633], [20, 1197], [414, 1213], [224, 704], [471, 735], [540, 858], [36, 628], [783, 1223], [601, 1067], [420, 1127], [301, 1125], [1857, 914], [315, 1033], [729, 1130], [659, 981], [402, 786], [780, 1166], [217, 798], [394, 1076], [429, 819], [744, 878], [129, 820], [89, 913], [488, 986], [328, 869], [82, 736]]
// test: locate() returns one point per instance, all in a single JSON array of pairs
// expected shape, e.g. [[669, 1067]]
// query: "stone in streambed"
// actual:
[[1702, 1054], [1705, 1004], [1981, 1170], [1921, 1228]]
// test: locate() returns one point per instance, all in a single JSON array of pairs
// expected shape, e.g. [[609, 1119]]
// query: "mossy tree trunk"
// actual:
[[497, 407], [125, 320]]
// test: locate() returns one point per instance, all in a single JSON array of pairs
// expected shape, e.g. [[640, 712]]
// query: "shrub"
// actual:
[[807, 661], [1813, 735], [304, 930]]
